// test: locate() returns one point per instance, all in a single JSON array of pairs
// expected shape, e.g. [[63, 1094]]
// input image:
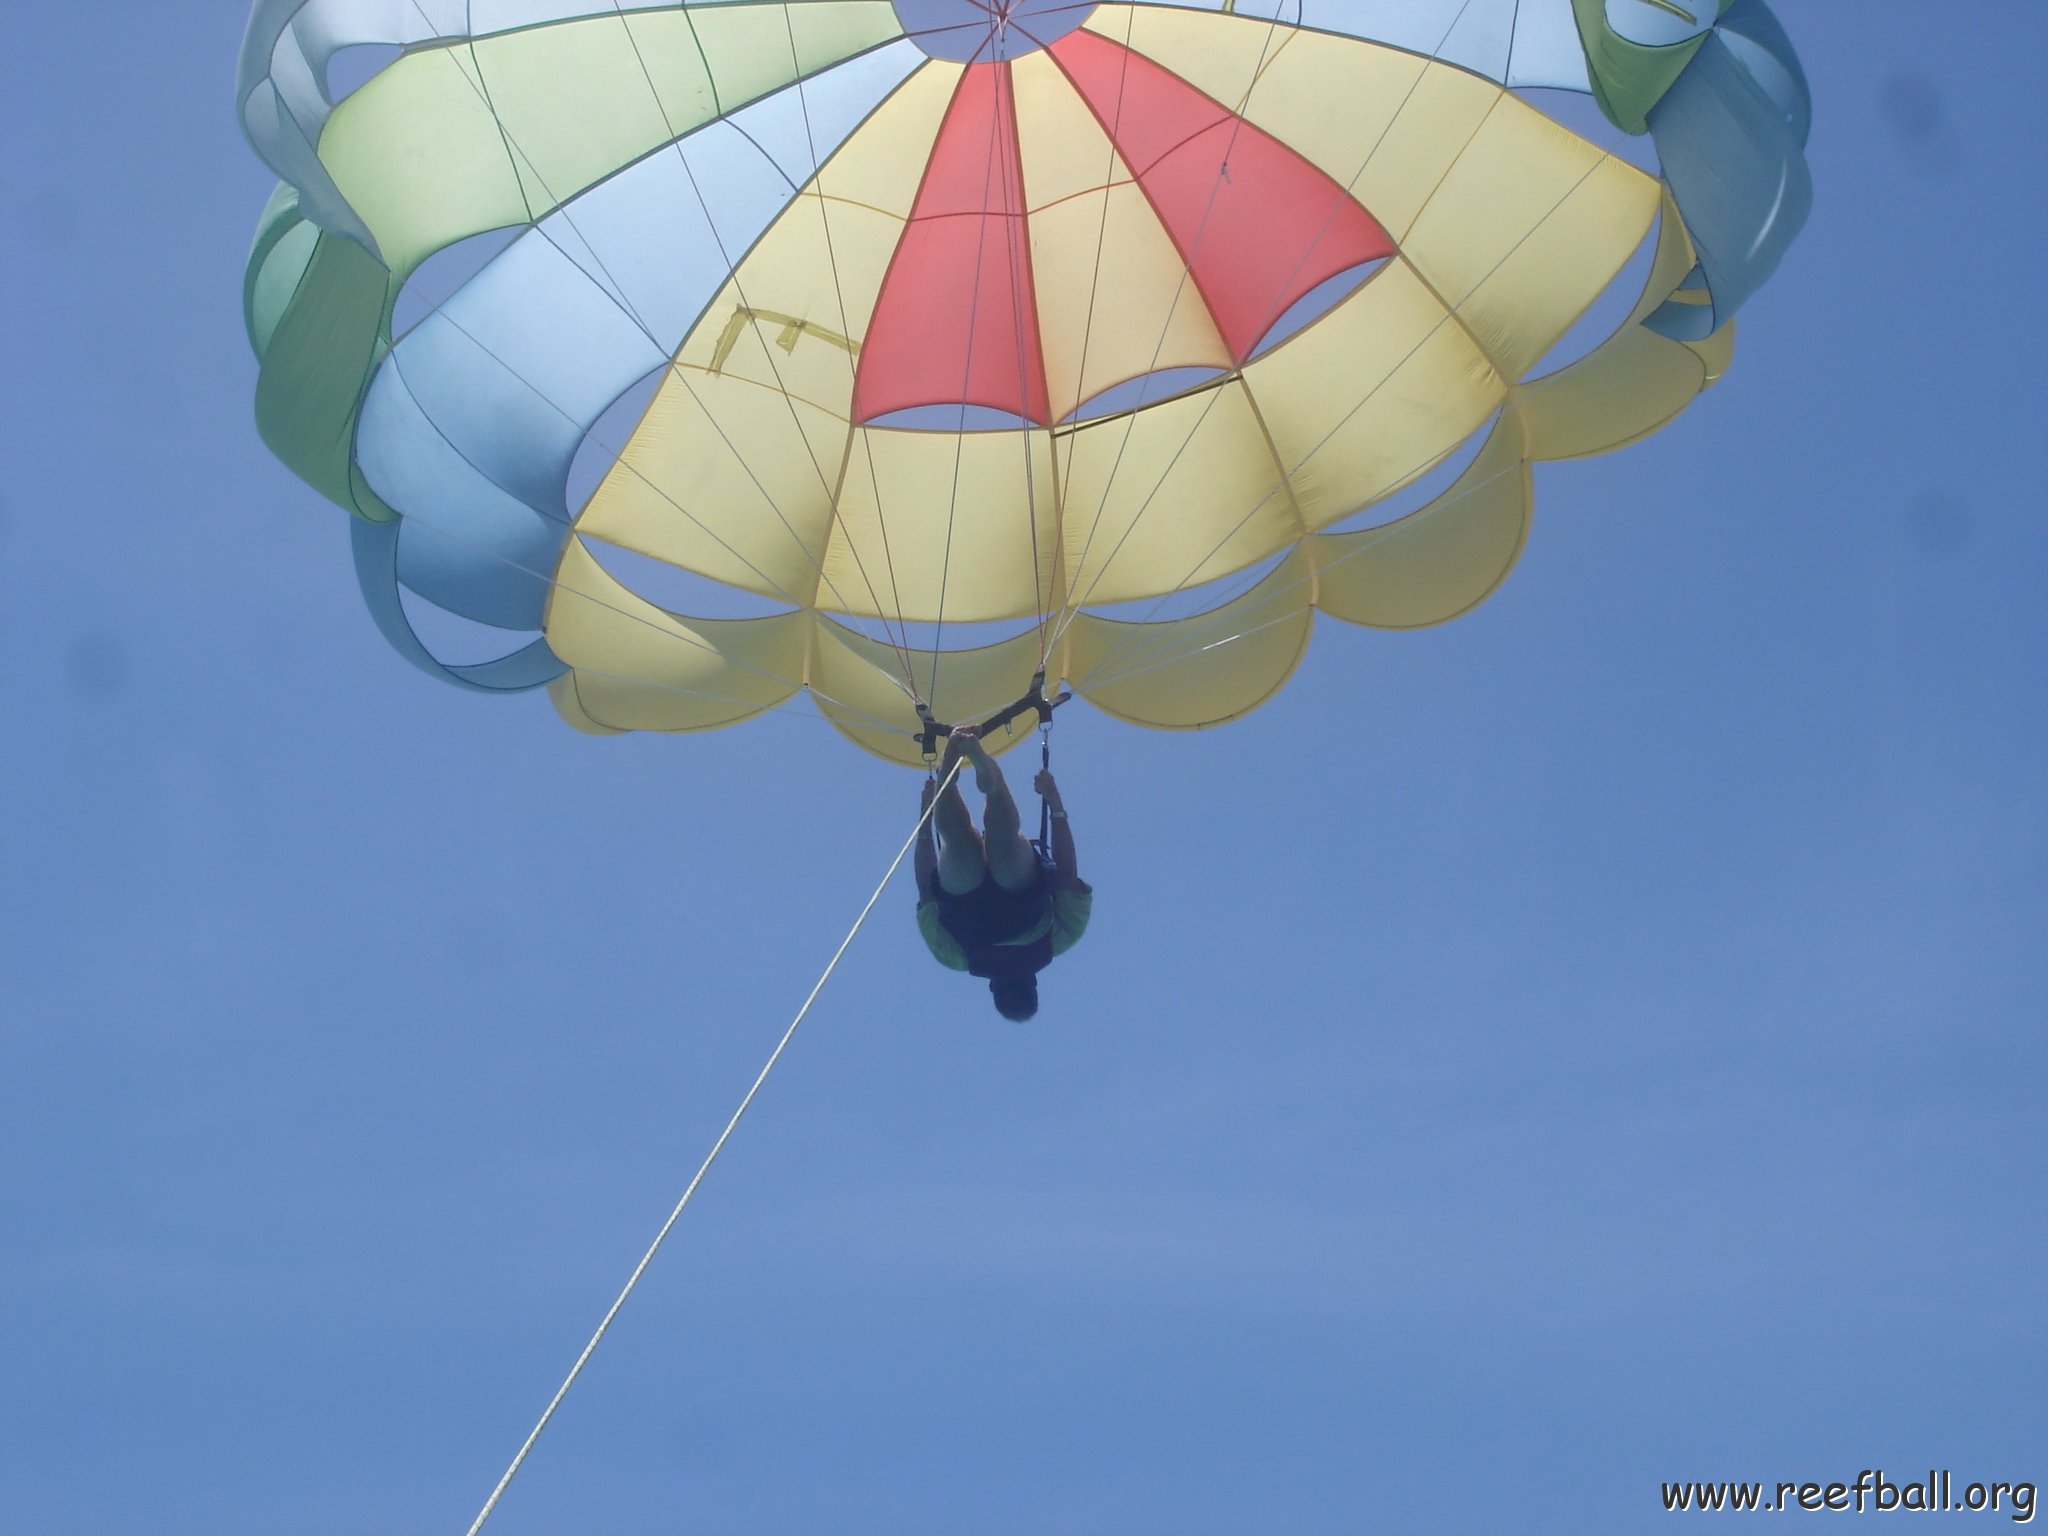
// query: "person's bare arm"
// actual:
[[1066, 868]]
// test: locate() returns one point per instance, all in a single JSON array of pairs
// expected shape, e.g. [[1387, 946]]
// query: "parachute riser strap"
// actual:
[[1033, 703], [1045, 805]]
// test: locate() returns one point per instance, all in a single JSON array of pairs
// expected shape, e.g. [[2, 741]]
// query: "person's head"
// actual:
[[1016, 997]]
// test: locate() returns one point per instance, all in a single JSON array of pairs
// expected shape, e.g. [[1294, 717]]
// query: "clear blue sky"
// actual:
[[1595, 1043]]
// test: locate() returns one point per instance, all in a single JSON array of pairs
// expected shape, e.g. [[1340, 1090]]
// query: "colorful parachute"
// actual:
[[909, 322]]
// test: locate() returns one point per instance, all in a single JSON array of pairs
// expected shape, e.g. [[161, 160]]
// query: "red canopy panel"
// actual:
[[1257, 224], [957, 318]]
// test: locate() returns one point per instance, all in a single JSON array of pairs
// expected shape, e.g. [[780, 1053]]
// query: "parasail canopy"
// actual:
[[878, 329]]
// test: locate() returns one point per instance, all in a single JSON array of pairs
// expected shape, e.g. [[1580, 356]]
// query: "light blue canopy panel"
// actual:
[[1522, 44], [375, 547], [470, 426], [1731, 134]]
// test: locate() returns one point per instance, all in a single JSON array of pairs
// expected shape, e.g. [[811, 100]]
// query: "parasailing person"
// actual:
[[989, 902]]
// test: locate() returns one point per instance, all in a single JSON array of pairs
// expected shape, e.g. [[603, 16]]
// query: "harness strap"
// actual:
[[1045, 805]]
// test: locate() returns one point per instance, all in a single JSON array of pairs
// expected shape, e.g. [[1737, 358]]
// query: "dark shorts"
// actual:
[[988, 914]]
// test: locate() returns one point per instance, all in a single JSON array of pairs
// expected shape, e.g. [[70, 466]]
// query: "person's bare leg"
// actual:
[[1011, 863], [961, 862]]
